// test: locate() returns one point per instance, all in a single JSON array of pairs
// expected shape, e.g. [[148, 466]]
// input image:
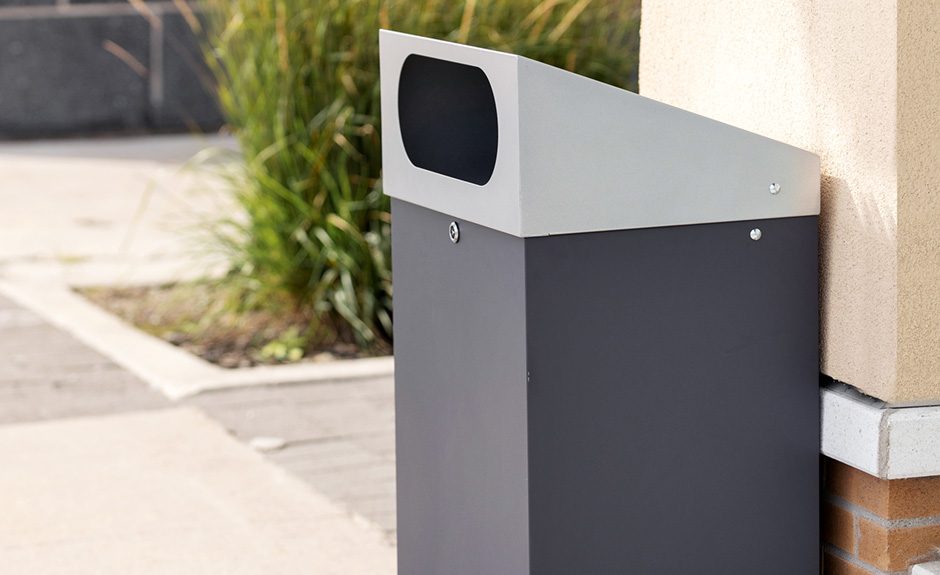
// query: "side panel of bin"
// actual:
[[460, 397], [673, 401]]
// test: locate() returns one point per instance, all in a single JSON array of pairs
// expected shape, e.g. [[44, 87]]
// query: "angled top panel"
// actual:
[[438, 150], [532, 150]]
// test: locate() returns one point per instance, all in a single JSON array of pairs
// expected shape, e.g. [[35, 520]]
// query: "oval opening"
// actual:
[[447, 117]]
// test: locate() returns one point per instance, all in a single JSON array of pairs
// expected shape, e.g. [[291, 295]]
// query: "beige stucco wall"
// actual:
[[919, 199], [826, 75]]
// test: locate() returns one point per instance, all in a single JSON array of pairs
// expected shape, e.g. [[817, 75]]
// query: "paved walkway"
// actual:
[[337, 436], [46, 373], [106, 212], [340, 436], [89, 212], [166, 492]]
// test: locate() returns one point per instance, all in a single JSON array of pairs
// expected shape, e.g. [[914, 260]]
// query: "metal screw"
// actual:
[[756, 234], [454, 232], [774, 188]]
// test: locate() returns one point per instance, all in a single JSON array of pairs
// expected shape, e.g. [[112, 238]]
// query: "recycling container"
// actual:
[[606, 327]]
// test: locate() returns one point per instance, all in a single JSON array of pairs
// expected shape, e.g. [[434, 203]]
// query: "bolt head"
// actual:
[[775, 188], [454, 232], [756, 234]]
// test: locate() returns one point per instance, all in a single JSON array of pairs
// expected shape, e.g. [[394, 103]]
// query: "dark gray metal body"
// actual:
[[631, 402]]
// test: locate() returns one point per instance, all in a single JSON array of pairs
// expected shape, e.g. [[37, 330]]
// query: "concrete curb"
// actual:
[[167, 368]]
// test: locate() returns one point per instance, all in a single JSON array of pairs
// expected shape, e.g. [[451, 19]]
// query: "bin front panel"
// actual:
[[460, 397], [673, 401]]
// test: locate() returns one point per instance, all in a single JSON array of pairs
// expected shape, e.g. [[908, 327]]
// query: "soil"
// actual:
[[198, 317]]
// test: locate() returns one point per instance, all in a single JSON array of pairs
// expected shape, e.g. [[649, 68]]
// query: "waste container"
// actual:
[[606, 327]]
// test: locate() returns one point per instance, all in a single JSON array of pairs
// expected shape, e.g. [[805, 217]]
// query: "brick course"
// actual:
[[833, 565], [838, 527], [898, 498], [877, 526]]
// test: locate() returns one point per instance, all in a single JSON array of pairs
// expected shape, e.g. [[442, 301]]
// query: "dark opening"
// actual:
[[447, 115]]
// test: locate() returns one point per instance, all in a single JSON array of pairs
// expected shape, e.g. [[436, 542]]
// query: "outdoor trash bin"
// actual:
[[606, 327]]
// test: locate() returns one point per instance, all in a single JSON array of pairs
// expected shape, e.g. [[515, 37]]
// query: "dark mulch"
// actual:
[[202, 318]]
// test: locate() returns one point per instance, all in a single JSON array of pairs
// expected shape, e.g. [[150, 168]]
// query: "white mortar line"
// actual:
[[848, 557], [858, 531], [902, 523]]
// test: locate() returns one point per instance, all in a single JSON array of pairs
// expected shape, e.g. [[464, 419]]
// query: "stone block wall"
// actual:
[[83, 67]]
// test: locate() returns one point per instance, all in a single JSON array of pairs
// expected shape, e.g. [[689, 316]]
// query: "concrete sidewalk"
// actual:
[[89, 483], [108, 211], [339, 436], [166, 492], [46, 373]]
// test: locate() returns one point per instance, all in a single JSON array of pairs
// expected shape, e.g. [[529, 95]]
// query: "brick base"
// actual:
[[877, 526]]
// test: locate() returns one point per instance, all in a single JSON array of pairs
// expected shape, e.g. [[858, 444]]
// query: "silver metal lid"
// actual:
[[533, 150]]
